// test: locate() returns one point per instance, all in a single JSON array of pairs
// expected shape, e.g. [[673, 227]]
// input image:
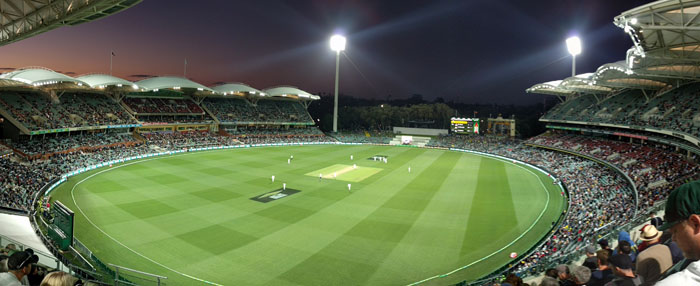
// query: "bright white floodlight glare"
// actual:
[[633, 21], [574, 46], [338, 43]]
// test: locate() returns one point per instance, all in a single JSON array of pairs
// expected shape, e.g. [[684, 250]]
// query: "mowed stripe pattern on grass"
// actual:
[[192, 213]]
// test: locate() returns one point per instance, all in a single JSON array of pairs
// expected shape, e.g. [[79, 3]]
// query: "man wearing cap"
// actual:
[[565, 278], [580, 274], [591, 261], [682, 219], [20, 265], [656, 257], [621, 265]]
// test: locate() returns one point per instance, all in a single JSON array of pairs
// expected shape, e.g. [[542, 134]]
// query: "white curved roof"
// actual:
[[171, 82], [103, 80], [233, 88], [618, 75], [551, 87], [284, 91], [40, 76]]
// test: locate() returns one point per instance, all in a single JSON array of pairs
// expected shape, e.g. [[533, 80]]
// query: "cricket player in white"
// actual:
[[335, 175], [289, 161], [349, 186], [354, 166], [320, 176], [284, 186], [409, 169], [350, 157], [273, 178]]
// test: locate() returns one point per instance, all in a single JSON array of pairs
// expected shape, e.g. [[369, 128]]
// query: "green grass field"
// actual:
[[190, 216]]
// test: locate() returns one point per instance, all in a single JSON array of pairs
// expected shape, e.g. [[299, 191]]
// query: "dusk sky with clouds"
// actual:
[[467, 51]]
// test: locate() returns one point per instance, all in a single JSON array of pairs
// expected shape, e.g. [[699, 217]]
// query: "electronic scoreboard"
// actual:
[[464, 125]]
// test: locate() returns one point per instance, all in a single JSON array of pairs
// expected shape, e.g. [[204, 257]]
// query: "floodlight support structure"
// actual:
[[335, 100], [573, 65]]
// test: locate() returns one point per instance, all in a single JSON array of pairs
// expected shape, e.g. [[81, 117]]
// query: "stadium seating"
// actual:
[[39, 111], [675, 109], [232, 110], [188, 139]]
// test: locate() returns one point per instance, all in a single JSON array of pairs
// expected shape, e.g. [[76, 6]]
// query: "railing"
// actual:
[[4, 241], [118, 280]]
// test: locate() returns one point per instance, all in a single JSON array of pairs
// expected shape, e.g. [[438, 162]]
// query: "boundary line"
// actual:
[[507, 245], [72, 194], [490, 156]]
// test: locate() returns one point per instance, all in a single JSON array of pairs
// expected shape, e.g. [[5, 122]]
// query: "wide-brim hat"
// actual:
[[649, 233]]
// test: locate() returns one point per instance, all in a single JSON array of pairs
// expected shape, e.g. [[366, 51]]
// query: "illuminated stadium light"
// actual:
[[200, 89], [633, 21], [338, 43], [135, 86], [574, 46], [176, 88], [119, 85]]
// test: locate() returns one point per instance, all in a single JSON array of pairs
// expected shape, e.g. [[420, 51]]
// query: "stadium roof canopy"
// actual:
[[617, 75], [40, 77], [584, 83], [290, 92], [237, 89], [172, 82], [666, 37], [551, 87], [103, 80], [21, 19]]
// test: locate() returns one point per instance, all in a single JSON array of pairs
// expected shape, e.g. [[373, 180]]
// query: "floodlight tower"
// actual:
[[574, 46], [337, 45]]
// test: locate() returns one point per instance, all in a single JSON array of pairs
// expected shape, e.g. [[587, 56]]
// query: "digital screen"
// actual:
[[464, 125]]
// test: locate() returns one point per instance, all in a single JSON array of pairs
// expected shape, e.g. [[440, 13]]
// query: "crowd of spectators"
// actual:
[[20, 178], [44, 111], [169, 119], [155, 105], [280, 135], [675, 109], [170, 140], [19, 267], [361, 136], [41, 111], [654, 169], [56, 143], [488, 144], [236, 110]]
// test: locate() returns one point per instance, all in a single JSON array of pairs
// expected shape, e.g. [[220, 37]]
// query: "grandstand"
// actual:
[[619, 141]]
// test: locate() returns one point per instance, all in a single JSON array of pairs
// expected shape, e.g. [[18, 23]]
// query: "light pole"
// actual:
[[337, 45], [574, 46]]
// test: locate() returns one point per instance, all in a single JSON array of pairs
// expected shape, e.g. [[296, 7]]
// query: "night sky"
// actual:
[[468, 51]]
